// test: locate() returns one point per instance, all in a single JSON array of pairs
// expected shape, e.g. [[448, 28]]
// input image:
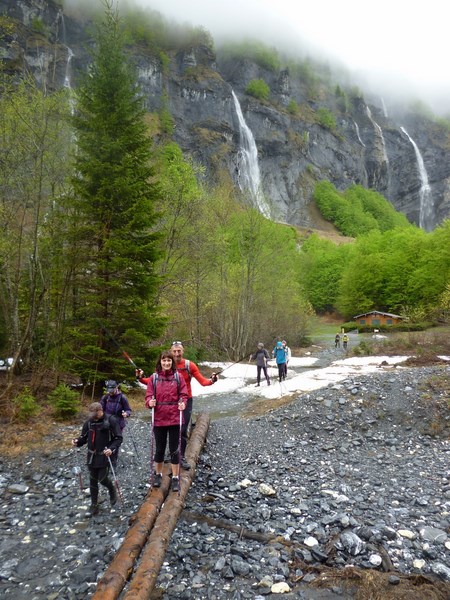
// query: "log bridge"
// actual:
[[150, 530]]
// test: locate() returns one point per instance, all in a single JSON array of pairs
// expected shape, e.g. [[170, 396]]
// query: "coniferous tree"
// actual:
[[115, 283]]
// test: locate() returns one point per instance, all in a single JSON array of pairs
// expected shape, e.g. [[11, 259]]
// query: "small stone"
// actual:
[[375, 560], [406, 533], [311, 542], [280, 588], [266, 490]]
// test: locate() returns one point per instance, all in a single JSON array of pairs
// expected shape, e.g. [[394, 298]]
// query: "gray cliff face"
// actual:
[[294, 150]]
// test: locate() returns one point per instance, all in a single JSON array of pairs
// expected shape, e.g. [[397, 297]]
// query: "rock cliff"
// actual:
[[402, 154]]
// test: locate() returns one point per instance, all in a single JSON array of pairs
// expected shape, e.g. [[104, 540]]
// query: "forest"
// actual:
[[112, 239]]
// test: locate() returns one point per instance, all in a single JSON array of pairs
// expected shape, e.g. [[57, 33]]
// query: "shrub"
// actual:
[[258, 88], [326, 119], [25, 405], [65, 401], [293, 107]]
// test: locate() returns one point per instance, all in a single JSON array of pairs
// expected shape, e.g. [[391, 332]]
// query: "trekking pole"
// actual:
[[116, 343], [152, 448], [179, 452], [116, 481], [77, 471], [232, 365]]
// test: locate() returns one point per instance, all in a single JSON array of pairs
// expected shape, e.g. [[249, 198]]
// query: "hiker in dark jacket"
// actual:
[[103, 437], [115, 403], [261, 356]]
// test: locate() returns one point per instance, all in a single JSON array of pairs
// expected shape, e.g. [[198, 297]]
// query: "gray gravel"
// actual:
[[352, 474]]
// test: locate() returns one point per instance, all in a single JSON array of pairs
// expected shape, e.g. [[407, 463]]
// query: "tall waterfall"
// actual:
[[380, 134], [357, 133], [426, 215], [249, 178]]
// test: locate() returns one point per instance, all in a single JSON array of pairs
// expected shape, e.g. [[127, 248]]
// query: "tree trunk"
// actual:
[[120, 570]]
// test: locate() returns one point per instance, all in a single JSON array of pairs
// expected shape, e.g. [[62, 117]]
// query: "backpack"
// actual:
[[187, 367], [156, 379], [116, 404]]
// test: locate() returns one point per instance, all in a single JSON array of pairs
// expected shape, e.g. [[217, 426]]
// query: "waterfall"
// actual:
[[357, 133], [249, 178], [380, 134], [67, 82], [383, 105], [426, 214]]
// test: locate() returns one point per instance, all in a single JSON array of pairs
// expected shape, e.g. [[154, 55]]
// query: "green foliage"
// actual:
[[38, 25], [65, 401], [293, 107], [321, 269], [115, 282], [258, 88], [357, 210], [262, 55], [35, 145], [165, 62], [25, 405], [326, 118], [166, 120]]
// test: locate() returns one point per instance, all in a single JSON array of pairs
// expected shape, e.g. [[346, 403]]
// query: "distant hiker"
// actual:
[[288, 357], [337, 341], [279, 354], [187, 369], [103, 437], [261, 356], [115, 403], [345, 341], [167, 395]]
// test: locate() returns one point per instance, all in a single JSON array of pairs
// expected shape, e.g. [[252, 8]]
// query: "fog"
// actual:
[[391, 46]]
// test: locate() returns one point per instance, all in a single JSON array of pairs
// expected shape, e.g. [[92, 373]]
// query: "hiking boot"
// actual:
[[175, 484], [157, 478], [184, 464], [93, 510], [257, 385], [113, 497], [268, 383]]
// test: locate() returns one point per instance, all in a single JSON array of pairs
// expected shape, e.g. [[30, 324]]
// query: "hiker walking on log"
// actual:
[[167, 395], [187, 369], [103, 437]]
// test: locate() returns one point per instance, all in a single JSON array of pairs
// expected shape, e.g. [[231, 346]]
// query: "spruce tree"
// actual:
[[115, 282]]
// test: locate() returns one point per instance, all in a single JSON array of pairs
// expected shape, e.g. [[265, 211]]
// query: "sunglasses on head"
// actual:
[[177, 343]]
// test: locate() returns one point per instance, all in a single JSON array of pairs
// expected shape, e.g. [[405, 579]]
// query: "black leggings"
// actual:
[[258, 373], [161, 442], [97, 476]]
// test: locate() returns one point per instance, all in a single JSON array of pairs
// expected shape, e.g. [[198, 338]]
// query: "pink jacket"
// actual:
[[168, 393]]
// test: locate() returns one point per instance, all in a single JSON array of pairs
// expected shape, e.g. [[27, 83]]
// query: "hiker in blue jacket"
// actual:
[[279, 354]]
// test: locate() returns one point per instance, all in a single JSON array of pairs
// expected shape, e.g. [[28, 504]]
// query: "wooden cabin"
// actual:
[[376, 318]]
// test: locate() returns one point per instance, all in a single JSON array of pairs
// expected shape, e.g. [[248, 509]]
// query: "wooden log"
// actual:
[[148, 518], [144, 579]]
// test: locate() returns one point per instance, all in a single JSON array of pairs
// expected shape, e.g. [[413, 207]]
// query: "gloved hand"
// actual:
[[139, 373], [214, 377]]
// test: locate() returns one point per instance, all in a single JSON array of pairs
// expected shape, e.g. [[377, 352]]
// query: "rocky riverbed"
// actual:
[[343, 492]]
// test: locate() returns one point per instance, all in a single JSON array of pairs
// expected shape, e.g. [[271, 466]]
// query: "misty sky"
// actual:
[[391, 43]]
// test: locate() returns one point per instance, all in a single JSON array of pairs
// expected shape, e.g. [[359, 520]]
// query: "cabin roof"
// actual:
[[377, 312]]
